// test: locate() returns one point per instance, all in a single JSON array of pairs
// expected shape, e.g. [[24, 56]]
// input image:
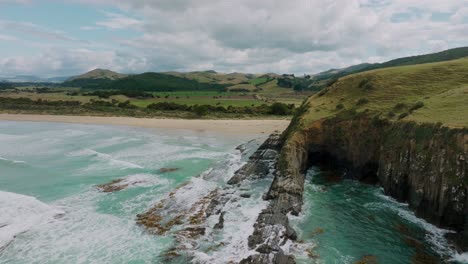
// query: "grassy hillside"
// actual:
[[435, 92], [94, 79], [159, 82], [214, 77], [99, 74], [225, 78], [446, 55]]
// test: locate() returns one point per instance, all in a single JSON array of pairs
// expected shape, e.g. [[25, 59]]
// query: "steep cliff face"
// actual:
[[422, 164]]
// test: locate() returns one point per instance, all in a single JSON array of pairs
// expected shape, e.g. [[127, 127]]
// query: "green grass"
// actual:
[[195, 93], [446, 55], [269, 93], [442, 88], [199, 101], [258, 81]]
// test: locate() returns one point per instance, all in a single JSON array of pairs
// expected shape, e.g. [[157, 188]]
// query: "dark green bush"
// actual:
[[126, 104], [416, 106], [403, 115], [201, 110], [366, 84], [280, 109], [362, 101], [399, 106]]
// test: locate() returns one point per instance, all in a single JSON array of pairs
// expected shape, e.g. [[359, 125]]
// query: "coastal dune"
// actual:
[[235, 126]]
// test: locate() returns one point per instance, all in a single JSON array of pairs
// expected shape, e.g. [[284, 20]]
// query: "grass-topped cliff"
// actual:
[[433, 92], [403, 127]]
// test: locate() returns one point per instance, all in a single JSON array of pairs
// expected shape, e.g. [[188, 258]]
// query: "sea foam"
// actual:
[[19, 213]]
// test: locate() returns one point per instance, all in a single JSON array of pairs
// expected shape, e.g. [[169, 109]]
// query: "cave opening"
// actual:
[[342, 168]]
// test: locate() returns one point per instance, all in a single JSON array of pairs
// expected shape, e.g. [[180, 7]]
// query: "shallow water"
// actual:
[[48, 174]]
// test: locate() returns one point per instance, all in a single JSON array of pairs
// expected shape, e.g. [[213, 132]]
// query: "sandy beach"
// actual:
[[236, 126]]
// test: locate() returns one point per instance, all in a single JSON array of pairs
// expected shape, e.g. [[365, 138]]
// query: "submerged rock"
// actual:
[[245, 195], [113, 186], [367, 259], [165, 170], [220, 224]]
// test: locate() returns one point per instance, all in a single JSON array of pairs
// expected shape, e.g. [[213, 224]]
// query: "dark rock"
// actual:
[[367, 259], [245, 195], [112, 186], [260, 162], [277, 258], [459, 240], [220, 224], [165, 170]]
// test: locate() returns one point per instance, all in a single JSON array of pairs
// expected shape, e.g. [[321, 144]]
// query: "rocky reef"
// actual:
[[199, 210], [422, 164]]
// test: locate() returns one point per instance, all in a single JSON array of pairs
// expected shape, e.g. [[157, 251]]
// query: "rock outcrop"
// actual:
[[272, 231], [261, 163]]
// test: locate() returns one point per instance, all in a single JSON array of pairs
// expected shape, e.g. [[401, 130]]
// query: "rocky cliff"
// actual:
[[422, 164]]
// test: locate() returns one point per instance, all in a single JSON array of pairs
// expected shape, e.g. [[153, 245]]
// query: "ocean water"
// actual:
[[52, 212], [345, 221], [49, 203]]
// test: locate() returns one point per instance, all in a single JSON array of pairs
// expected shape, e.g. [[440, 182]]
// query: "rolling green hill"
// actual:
[[159, 82], [170, 81], [433, 92], [446, 55], [225, 78], [94, 79]]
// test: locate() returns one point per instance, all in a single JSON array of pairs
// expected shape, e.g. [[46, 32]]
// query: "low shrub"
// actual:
[[416, 106], [399, 106], [403, 115], [366, 84], [362, 101]]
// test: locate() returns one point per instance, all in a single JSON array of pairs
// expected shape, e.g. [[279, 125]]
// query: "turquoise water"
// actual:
[[48, 174], [52, 212], [346, 221]]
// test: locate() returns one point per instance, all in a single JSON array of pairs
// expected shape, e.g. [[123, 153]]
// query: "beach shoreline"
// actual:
[[231, 126]]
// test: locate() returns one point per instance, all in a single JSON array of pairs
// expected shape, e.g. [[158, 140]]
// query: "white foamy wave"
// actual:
[[460, 258], [105, 157], [435, 236], [143, 180], [114, 141], [19, 213], [9, 137], [239, 219], [2, 159], [84, 235]]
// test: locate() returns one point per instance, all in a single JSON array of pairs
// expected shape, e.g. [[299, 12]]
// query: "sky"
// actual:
[[61, 38]]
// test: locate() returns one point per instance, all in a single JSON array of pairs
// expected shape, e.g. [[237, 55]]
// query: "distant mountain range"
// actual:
[[33, 79]]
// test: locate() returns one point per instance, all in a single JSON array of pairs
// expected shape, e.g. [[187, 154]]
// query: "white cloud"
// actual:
[[300, 36], [30, 29], [7, 38], [119, 21]]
